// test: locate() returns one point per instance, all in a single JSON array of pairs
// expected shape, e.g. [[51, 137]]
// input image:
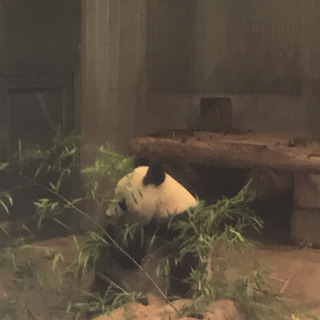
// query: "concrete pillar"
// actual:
[[112, 94], [305, 221]]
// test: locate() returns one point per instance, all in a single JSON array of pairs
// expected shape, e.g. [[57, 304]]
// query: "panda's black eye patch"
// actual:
[[123, 206]]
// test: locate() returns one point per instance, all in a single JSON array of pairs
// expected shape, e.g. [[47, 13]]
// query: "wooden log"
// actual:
[[222, 151]]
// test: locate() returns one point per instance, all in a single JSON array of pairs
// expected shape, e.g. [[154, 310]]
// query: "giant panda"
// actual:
[[152, 198], [149, 193]]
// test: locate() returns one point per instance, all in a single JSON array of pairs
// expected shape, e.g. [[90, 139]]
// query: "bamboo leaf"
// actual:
[[3, 165]]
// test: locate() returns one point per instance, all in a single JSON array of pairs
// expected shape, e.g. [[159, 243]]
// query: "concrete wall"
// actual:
[[258, 47], [130, 54], [39, 36], [262, 54], [170, 45], [260, 113], [146, 64]]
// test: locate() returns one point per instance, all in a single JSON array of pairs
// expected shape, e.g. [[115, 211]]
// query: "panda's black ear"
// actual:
[[155, 175]]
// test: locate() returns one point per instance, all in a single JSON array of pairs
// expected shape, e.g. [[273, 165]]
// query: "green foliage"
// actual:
[[34, 159], [93, 255], [8, 309], [4, 227], [102, 177], [205, 225], [49, 170], [200, 233], [6, 201], [52, 169], [130, 231], [7, 256], [203, 229], [3, 165], [49, 209], [227, 219], [253, 293], [113, 298]]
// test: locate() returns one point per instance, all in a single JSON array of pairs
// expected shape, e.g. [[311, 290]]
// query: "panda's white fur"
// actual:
[[151, 197], [151, 201]]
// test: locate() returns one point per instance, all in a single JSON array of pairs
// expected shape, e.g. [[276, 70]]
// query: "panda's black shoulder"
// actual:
[[161, 227], [155, 175]]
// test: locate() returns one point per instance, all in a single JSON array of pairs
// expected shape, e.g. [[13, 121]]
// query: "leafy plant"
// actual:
[[33, 159], [8, 309], [6, 201], [200, 233], [93, 255], [102, 177], [203, 227], [51, 170], [113, 298], [197, 233]]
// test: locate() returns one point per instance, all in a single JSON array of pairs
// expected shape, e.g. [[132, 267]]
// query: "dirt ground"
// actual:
[[294, 275]]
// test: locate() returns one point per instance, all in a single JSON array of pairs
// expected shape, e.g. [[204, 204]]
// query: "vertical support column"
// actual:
[[132, 71], [305, 221], [112, 70], [112, 75]]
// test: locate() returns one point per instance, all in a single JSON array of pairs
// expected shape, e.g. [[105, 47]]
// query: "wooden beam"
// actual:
[[240, 151]]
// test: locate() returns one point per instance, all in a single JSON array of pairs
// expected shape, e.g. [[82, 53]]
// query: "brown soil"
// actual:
[[220, 310], [294, 275]]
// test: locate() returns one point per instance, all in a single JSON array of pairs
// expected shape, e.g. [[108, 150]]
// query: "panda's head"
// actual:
[[149, 193]]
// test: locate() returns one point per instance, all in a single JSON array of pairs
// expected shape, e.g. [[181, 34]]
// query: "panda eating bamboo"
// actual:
[[150, 198]]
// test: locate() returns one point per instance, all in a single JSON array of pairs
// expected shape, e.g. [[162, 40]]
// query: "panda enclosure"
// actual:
[[283, 169], [125, 70], [141, 67], [222, 66]]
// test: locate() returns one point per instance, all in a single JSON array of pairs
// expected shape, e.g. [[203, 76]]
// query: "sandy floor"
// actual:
[[294, 274]]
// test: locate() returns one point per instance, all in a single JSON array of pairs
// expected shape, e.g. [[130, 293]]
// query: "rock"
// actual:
[[220, 310]]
